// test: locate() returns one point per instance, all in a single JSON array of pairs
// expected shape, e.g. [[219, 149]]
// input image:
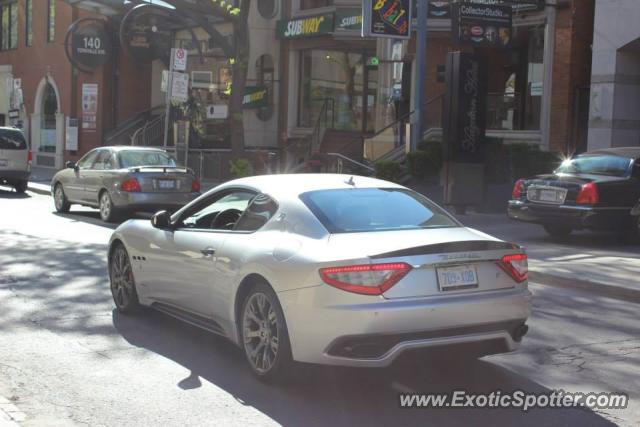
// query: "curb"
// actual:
[[38, 188], [610, 291]]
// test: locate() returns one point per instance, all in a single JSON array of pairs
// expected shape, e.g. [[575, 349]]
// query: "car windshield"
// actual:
[[596, 165], [12, 140], [132, 158], [368, 209]]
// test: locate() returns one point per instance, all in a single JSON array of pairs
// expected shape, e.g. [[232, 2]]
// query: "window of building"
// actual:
[[28, 22], [51, 21], [264, 77], [339, 88], [267, 8], [314, 4], [9, 24]]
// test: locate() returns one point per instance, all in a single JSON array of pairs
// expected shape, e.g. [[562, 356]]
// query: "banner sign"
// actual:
[[349, 19], [255, 97], [387, 18], [465, 108], [481, 25], [89, 106], [305, 27]]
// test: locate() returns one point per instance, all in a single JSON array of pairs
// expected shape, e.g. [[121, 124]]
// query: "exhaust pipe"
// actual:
[[520, 332]]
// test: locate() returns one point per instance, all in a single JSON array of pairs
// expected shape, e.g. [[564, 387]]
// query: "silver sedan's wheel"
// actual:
[[108, 213], [264, 334], [60, 199], [123, 287]]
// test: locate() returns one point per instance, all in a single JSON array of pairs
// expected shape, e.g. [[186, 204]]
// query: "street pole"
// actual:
[[168, 102], [421, 65]]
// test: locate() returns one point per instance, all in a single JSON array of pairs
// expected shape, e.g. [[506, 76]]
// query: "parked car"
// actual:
[[635, 214], [595, 190], [15, 159], [121, 180], [323, 268]]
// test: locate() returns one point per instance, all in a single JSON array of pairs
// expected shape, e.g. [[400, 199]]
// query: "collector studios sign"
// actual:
[[88, 44]]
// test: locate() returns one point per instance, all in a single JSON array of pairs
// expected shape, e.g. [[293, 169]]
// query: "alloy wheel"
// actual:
[[260, 332], [59, 197], [105, 206], [122, 283]]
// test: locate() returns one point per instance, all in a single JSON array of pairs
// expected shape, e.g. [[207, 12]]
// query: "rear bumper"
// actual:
[[14, 175], [373, 332], [151, 202], [576, 217]]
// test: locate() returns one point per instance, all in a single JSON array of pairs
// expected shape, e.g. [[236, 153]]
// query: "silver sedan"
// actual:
[[120, 180], [326, 269]]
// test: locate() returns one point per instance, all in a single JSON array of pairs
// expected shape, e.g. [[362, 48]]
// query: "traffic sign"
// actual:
[[179, 59], [180, 87]]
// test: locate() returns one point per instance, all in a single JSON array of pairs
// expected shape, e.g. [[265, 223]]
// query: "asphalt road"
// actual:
[[68, 358]]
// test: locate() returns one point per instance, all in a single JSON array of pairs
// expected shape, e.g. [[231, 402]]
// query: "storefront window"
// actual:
[[314, 4], [264, 74], [267, 8], [48, 124], [342, 84]]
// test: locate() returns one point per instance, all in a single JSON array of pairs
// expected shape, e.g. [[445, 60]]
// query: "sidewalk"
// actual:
[[594, 262]]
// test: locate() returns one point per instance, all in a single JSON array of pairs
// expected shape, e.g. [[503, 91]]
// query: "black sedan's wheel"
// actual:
[[555, 230], [21, 187], [108, 212], [264, 334], [123, 286], [60, 199]]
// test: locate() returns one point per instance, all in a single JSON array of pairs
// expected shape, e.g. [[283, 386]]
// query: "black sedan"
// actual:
[[596, 190]]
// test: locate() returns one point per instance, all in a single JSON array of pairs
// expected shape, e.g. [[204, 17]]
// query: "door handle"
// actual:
[[208, 252]]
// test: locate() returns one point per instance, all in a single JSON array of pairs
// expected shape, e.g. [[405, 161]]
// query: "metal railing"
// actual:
[[124, 131], [151, 134]]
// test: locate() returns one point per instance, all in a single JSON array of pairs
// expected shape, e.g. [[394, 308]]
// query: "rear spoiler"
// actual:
[[448, 247], [164, 169]]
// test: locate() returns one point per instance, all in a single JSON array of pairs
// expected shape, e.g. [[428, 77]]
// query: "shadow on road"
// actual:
[[10, 193], [341, 396], [89, 217]]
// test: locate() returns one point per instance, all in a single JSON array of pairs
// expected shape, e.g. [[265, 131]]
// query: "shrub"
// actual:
[[427, 160], [389, 170], [240, 168]]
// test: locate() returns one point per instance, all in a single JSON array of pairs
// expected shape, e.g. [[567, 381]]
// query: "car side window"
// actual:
[[87, 160], [259, 212], [219, 213], [103, 161]]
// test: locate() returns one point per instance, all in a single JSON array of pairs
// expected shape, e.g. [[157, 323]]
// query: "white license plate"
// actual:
[[547, 195], [4, 162], [166, 184], [452, 278]]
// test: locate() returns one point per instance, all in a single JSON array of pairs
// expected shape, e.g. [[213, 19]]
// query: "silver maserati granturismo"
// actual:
[[325, 269]]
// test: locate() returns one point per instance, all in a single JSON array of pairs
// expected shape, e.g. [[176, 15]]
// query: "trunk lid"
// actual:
[[435, 256], [155, 179], [572, 184]]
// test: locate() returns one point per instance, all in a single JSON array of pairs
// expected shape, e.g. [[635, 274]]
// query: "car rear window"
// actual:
[[596, 165], [132, 158], [375, 209], [12, 140]]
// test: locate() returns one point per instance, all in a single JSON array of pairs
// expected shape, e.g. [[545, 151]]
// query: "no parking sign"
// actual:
[[179, 59]]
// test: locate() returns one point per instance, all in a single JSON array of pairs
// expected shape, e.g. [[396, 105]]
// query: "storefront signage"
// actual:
[[255, 97], [88, 44], [481, 24], [349, 19], [465, 108], [146, 34], [305, 27], [89, 106], [387, 18]]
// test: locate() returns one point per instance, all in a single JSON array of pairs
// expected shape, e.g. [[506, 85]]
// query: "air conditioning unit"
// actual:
[[202, 79]]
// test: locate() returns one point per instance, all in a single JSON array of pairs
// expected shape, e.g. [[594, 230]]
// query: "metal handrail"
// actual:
[[350, 160], [130, 122]]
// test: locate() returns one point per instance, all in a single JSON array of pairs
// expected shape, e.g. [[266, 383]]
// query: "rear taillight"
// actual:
[[518, 188], [195, 185], [516, 266], [368, 279], [130, 185], [588, 194], [30, 157]]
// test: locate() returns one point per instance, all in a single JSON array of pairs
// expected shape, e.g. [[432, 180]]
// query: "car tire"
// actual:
[[555, 230], [60, 200], [108, 212], [122, 281], [21, 186], [264, 335]]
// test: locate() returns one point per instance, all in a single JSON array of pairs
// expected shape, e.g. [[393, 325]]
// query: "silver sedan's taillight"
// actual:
[[516, 266], [367, 279]]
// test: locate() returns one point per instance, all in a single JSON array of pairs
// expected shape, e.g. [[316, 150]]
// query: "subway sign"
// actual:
[[305, 27], [255, 97]]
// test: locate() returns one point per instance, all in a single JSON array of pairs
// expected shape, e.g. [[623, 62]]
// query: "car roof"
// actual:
[[283, 185], [131, 148], [630, 152]]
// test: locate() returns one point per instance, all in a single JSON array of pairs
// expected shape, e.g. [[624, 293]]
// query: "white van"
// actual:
[[15, 159]]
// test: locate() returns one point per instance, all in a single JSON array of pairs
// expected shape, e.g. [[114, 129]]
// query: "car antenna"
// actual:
[[350, 181]]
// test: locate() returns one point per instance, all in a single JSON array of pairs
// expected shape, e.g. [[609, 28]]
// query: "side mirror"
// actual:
[[70, 165], [161, 219]]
